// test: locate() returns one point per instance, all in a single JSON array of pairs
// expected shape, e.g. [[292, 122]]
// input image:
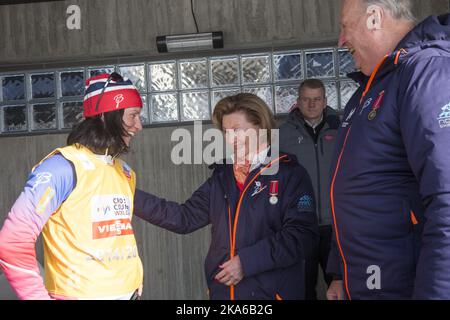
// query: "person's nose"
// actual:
[[230, 136], [138, 124], [311, 103]]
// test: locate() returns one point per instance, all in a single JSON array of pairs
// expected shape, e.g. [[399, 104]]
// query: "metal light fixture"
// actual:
[[190, 42]]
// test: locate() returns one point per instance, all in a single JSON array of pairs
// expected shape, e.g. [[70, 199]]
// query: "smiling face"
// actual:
[[131, 123], [356, 36], [240, 134]]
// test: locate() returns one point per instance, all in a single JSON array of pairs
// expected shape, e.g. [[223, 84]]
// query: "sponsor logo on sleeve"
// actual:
[[41, 178], [444, 117], [45, 200], [111, 216], [305, 203]]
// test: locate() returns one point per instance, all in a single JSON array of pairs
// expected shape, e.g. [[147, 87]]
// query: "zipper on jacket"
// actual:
[[366, 90], [233, 229], [229, 221], [321, 145], [319, 197], [336, 230]]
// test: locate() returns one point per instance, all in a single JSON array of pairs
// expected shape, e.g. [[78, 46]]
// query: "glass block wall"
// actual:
[[174, 90]]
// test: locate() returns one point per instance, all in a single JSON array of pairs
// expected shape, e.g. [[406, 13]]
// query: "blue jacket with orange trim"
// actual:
[[272, 240], [390, 189]]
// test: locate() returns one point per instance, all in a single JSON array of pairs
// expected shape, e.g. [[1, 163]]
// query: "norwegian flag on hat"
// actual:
[[109, 92]]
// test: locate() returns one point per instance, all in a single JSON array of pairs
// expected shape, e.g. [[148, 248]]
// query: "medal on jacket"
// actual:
[[273, 191], [373, 113]]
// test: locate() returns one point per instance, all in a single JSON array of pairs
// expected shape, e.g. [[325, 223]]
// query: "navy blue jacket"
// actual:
[[390, 189], [272, 240]]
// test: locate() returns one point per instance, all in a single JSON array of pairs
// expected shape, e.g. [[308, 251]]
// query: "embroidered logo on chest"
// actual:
[[366, 105], [347, 120], [126, 171], [258, 188]]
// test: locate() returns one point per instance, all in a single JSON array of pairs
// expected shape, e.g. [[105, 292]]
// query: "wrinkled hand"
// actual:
[[231, 273], [336, 290]]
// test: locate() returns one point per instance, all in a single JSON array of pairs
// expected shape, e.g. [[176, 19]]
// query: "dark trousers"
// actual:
[[319, 258]]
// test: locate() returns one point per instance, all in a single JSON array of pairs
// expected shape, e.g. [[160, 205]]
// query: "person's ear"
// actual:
[[375, 17]]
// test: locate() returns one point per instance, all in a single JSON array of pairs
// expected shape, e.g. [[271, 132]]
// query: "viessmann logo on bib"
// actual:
[[111, 216]]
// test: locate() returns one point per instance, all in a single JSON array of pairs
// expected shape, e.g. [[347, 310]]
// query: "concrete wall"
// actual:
[[118, 28], [36, 34], [126, 29]]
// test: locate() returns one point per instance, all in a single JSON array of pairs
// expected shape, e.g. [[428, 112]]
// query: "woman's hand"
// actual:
[[336, 290], [231, 273]]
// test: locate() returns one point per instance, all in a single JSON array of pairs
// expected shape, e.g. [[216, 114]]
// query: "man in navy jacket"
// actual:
[[390, 188]]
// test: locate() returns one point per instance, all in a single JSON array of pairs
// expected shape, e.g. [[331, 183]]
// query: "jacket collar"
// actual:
[[434, 31], [330, 116], [257, 159]]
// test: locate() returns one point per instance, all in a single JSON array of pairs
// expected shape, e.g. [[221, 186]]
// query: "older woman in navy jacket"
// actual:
[[263, 225]]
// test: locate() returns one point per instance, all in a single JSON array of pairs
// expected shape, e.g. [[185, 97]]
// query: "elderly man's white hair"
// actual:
[[399, 9]]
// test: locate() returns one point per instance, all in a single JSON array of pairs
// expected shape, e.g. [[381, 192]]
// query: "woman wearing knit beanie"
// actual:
[[81, 198]]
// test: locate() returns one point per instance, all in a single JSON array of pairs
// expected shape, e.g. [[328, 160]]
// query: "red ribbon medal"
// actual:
[[376, 106], [273, 191]]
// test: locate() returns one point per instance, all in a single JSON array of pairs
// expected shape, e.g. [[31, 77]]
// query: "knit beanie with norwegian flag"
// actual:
[[105, 93]]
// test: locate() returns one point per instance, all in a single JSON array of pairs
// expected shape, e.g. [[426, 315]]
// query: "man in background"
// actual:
[[309, 133]]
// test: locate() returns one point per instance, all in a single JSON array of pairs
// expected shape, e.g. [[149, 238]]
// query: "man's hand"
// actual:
[[231, 273], [336, 290]]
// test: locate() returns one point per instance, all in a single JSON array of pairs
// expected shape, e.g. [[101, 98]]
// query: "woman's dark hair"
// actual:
[[101, 133]]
